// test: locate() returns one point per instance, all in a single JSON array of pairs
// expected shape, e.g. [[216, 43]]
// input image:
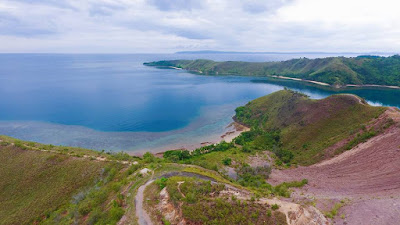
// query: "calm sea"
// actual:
[[113, 102]]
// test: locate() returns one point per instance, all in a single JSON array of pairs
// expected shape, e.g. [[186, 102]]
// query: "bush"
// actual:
[[177, 155], [95, 216], [227, 161], [254, 177], [275, 207], [148, 157], [284, 155], [116, 213], [283, 188], [121, 156], [269, 213], [162, 182], [85, 207]]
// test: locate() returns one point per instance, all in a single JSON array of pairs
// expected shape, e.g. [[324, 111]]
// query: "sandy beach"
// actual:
[[298, 79], [233, 130]]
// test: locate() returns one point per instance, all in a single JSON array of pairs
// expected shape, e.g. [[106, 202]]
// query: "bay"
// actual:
[[113, 102]]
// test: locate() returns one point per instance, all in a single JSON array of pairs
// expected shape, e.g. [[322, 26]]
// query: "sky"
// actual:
[[166, 26]]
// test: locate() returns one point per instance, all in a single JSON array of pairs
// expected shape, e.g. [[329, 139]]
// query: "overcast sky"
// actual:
[[140, 26]]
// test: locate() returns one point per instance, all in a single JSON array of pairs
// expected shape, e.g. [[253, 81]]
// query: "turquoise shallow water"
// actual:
[[113, 102]]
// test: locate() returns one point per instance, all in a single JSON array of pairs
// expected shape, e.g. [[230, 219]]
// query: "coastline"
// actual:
[[298, 79], [372, 85], [317, 82], [233, 130], [334, 86]]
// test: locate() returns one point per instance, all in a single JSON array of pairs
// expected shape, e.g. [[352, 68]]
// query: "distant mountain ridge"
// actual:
[[272, 52], [335, 71]]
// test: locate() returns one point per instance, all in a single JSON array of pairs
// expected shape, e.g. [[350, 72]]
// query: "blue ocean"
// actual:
[[113, 102]]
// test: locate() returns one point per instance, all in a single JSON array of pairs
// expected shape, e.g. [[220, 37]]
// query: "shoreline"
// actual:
[[299, 79], [334, 86], [233, 130], [314, 82], [372, 85]]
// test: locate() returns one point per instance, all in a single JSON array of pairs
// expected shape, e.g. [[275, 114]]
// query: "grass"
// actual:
[[151, 199], [306, 127], [46, 184], [72, 151], [199, 207], [216, 176], [214, 160], [33, 183], [335, 209]]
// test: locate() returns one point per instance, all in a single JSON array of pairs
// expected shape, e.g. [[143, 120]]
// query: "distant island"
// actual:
[[334, 71]]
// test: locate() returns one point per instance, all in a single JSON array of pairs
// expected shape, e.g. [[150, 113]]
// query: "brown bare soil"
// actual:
[[368, 175]]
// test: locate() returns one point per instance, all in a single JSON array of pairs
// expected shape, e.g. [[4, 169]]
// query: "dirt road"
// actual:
[[143, 217]]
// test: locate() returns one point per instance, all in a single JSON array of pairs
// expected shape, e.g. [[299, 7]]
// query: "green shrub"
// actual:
[[116, 213], [275, 207], [284, 155], [148, 157], [162, 182], [177, 155], [85, 207], [227, 161]]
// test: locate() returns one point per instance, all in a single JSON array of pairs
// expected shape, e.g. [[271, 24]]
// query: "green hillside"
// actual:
[[307, 127], [45, 184], [34, 183], [337, 71]]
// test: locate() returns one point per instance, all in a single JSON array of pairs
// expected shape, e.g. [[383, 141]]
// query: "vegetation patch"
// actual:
[[33, 184], [201, 207], [298, 129]]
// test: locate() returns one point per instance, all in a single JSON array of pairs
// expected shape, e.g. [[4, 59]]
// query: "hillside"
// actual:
[[336, 71], [303, 161], [45, 184], [313, 129], [33, 184]]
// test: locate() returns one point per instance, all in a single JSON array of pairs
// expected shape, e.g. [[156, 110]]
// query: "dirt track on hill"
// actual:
[[365, 174]]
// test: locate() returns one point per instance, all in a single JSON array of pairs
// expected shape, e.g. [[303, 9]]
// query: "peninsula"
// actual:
[[334, 71]]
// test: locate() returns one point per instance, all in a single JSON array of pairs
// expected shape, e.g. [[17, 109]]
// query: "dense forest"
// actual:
[[336, 71]]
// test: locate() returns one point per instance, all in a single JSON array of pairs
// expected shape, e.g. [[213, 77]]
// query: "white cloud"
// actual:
[[168, 26]]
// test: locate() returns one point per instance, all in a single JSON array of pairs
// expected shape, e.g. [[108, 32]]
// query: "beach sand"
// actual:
[[233, 130]]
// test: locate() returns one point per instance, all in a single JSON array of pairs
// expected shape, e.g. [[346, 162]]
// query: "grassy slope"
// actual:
[[34, 183], [332, 70], [200, 206], [308, 126]]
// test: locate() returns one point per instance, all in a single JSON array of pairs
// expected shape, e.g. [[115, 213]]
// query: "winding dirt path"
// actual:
[[143, 217], [295, 213]]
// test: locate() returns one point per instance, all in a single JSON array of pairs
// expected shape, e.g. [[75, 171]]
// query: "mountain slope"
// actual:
[[362, 70], [45, 184], [33, 183], [313, 129], [363, 179]]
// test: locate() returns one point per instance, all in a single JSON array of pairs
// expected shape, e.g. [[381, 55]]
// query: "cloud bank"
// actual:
[[133, 26]]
